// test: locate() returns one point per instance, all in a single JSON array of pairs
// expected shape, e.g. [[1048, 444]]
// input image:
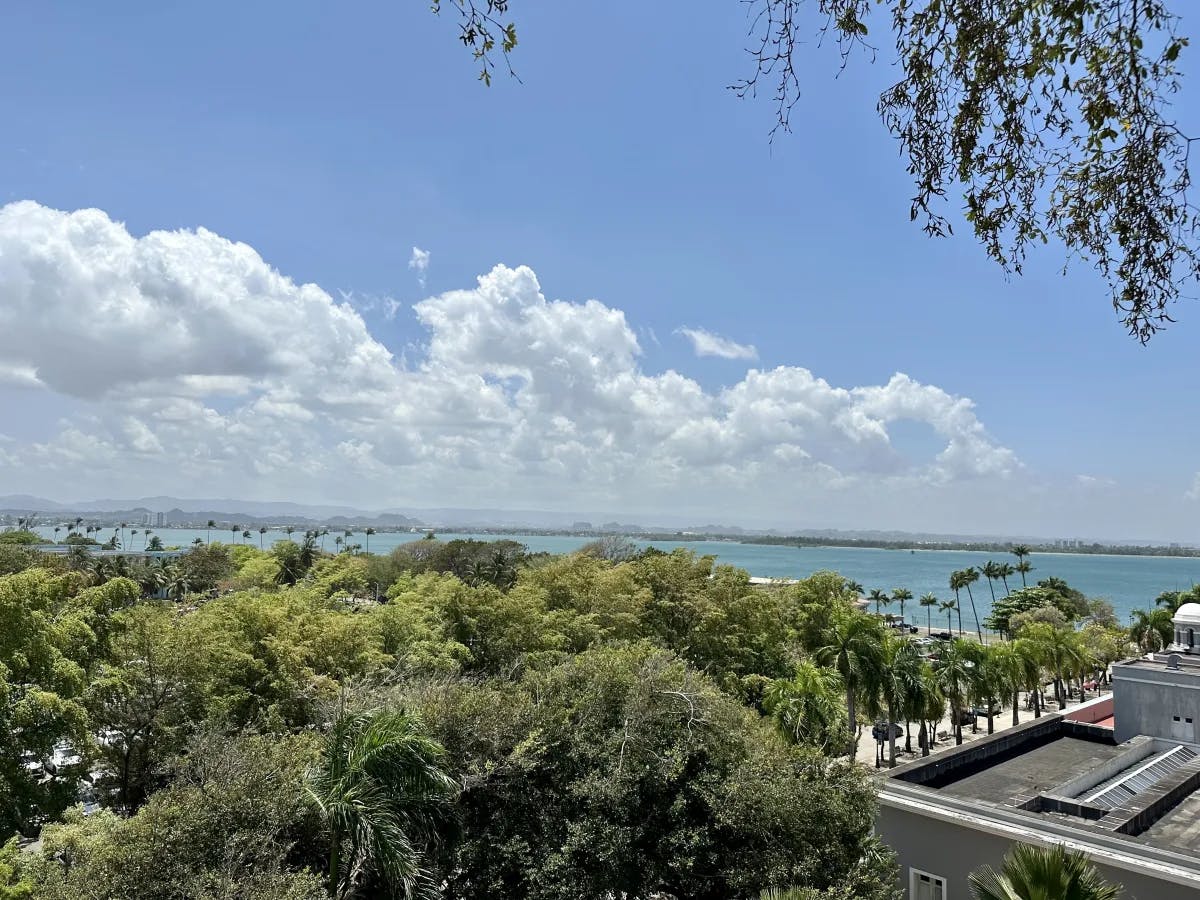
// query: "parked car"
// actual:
[[880, 731]]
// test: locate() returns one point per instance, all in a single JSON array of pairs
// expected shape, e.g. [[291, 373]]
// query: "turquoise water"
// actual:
[[1130, 582]]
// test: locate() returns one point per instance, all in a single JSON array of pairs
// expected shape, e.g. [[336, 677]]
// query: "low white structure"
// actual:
[[1187, 628]]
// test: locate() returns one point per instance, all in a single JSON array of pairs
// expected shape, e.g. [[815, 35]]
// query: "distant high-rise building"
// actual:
[[158, 520]]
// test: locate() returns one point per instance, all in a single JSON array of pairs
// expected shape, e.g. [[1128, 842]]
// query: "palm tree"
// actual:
[[1042, 873], [855, 588], [1008, 668], [807, 708], [929, 602], [899, 688], [290, 529], [1003, 570], [970, 575], [178, 584], [853, 645], [1021, 552], [949, 607], [1060, 652], [932, 707], [234, 531], [901, 595], [954, 678], [338, 543], [890, 691], [133, 533], [878, 597], [368, 533], [261, 531], [1152, 630], [991, 572], [383, 795], [57, 529], [324, 534], [1170, 600], [1030, 654], [146, 538], [245, 535], [990, 683], [209, 527]]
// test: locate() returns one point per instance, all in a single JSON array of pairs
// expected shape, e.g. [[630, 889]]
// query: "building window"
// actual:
[[924, 886]]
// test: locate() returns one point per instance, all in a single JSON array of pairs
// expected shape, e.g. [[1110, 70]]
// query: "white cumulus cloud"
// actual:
[[192, 366], [419, 263], [705, 343]]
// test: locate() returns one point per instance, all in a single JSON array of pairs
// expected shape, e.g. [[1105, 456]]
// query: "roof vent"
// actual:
[[1173, 661]]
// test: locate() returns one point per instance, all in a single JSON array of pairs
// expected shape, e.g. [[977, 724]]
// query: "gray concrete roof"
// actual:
[[1179, 827], [1187, 664], [1009, 770], [1039, 769]]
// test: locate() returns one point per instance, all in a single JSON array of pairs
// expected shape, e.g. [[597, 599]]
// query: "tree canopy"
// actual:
[[1041, 122]]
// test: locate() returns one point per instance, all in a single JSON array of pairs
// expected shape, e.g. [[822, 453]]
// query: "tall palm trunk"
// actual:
[[891, 727], [852, 720], [1016, 703], [975, 613]]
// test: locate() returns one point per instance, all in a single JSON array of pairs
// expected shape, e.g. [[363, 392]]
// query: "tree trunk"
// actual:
[[975, 614], [891, 727], [907, 737], [991, 723], [1016, 703], [852, 719], [923, 739]]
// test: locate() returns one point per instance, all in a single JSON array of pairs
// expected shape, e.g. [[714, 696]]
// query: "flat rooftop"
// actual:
[[1188, 665], [1178, 828], [1075, 774], [1039, 769]]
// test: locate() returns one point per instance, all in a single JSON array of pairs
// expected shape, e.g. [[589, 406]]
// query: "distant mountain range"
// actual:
[[227, 510]]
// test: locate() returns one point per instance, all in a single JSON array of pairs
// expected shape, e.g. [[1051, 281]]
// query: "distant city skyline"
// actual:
[[372, 281]]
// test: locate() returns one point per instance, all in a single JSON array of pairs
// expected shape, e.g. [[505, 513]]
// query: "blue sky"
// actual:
[[335, 138]]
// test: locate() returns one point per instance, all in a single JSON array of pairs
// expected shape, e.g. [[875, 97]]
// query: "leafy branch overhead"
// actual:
[[1051, 121], [481, 31]]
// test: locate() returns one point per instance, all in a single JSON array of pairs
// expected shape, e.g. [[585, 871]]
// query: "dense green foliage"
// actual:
[[459, 719], [1042, 873]]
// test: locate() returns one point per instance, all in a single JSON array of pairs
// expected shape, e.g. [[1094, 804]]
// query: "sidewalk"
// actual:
[[1001, 722]]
